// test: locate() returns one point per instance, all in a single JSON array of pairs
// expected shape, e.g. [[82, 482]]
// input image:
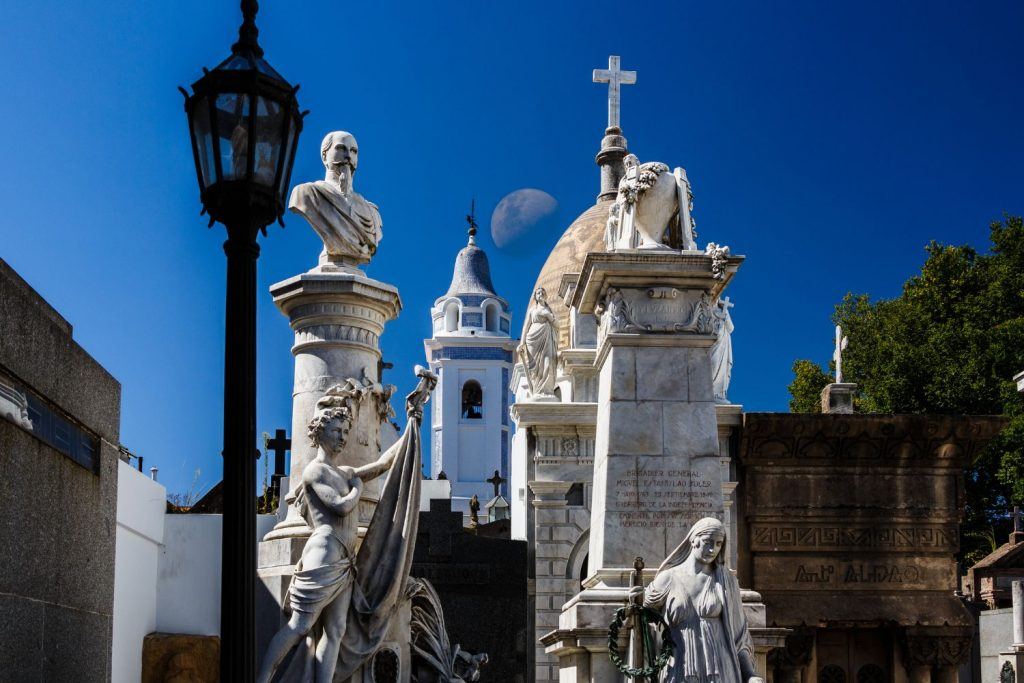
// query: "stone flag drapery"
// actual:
[[385, 556], [381, 568]]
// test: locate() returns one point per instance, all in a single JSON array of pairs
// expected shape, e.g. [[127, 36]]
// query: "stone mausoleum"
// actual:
[[842, 528]]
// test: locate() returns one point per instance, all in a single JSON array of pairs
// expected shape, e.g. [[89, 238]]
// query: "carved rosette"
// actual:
[[796, 653], [655, 309]]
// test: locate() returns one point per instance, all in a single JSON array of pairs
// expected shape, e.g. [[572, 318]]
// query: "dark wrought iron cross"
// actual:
[[496, 481], [280, 444]]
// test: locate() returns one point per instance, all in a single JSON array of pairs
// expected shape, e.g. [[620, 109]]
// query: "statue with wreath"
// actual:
[[696, 601]]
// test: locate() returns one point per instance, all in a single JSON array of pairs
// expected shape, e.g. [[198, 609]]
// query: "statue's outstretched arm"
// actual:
[[380, 465]]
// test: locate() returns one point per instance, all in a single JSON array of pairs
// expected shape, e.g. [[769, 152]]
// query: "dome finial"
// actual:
[[471, 219]]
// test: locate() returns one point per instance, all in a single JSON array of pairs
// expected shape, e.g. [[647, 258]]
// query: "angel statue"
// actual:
[[653, 209], [700, 600], [341, 601]]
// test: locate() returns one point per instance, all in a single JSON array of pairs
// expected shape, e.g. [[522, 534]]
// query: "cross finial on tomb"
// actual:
[[725, 303], [471, 219], [615, 78], [841, 344], [496, 481], [1017, 526], [280, 444]]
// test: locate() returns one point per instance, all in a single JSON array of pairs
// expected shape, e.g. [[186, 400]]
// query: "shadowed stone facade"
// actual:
[[850, 529], [60, 477]]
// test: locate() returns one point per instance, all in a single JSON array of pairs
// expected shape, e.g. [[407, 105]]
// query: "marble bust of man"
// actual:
[[348, 224]]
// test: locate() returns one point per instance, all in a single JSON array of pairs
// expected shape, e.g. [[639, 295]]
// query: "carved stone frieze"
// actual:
[[336, 309], [935, 650], [314, 334], [806, 537], [656, 309]]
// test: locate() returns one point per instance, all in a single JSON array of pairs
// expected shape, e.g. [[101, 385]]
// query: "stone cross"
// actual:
[[725, 303], [1016, 518], [841, 344], [614, 77], [496, 481]]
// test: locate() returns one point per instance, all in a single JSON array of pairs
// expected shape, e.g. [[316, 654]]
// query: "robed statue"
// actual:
[[700, 600], [348, 224], [341, 602], [538, 350]]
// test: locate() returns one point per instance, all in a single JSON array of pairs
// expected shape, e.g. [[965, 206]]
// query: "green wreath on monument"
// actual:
[[644, 617]]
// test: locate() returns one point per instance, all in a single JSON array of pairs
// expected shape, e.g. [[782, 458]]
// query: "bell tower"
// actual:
[[472, 353]]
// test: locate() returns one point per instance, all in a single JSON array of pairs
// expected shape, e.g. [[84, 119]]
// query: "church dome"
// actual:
[[472, 274], [584, 235]]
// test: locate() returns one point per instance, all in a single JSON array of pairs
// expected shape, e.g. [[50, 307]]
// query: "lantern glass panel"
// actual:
[[289, 150], [269, 124], [233, 130], [203, 140]]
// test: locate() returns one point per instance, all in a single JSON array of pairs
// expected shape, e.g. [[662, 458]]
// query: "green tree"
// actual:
[[805, 390], [949, 344]]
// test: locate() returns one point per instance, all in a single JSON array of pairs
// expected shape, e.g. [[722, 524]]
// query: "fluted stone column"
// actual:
[[337, 318]]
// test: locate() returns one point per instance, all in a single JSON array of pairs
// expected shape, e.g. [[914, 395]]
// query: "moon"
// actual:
[[522, 218]]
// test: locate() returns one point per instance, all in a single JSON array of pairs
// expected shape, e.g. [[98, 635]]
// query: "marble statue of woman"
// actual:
[[700, 599], [721, 351], [539, 348], [348, 224]]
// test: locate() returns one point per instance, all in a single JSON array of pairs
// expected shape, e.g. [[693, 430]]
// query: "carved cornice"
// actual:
[[528, 413], [813, 440]]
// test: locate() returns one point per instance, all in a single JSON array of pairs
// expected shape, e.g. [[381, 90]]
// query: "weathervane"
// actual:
[[471, 219]]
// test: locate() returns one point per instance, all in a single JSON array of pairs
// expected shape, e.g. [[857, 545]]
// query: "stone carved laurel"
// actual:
[[719, 259]]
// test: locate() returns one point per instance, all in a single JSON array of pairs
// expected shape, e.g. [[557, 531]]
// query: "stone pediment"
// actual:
[[1006, 556]]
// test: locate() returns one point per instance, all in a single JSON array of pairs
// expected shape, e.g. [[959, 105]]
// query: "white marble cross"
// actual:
[[841, 344], [725, 303], [614, 77]]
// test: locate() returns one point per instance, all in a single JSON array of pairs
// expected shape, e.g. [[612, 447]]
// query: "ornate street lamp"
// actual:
[[244, 123]]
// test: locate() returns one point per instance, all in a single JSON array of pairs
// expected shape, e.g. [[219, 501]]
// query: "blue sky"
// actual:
[[827, 142]]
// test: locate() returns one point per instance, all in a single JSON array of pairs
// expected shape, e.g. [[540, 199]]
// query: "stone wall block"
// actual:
[[662, 374], [698, 371], [635, 428], [618, 375], [690, 429]]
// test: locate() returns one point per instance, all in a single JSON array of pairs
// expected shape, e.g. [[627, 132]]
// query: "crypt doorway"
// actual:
[[854, 656]]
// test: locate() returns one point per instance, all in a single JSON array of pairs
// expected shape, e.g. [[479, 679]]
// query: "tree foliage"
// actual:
[[949, 344]]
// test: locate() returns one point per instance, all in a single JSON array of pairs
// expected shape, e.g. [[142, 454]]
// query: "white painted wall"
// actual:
[[995, 629], [140, 529], [188, 580]]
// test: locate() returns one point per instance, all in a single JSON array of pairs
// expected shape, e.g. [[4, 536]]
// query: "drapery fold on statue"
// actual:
[[385, 556], [381, 571]]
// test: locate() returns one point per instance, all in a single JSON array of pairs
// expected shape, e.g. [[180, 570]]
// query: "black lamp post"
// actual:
[[244, 123]]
